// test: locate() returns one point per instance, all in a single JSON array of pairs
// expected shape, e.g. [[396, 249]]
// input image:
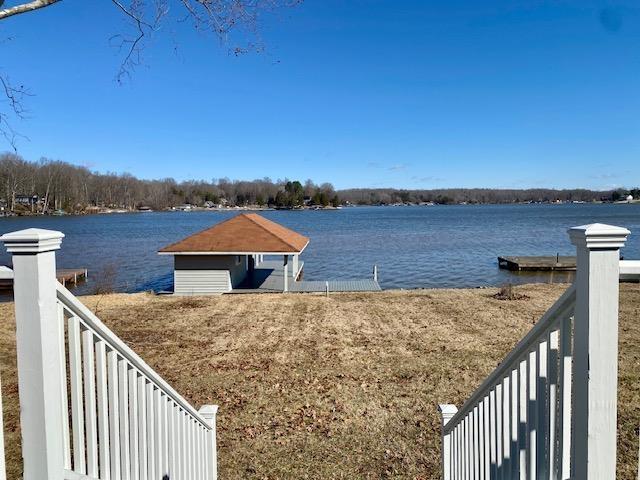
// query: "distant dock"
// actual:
[[71, 275], [544, 263], [64, 275]]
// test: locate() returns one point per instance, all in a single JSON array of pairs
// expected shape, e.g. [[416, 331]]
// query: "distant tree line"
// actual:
[[49, 185], [386, 196]]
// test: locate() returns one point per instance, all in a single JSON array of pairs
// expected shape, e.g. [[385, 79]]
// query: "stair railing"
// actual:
[[549, 409], [90, 407]]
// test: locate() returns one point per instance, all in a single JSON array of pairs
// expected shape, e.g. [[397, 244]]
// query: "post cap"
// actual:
[[598, 236], [209, 412], [447, 411], [32, 240]]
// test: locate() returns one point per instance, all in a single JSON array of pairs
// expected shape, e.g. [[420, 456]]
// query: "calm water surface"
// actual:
[[414, 247]]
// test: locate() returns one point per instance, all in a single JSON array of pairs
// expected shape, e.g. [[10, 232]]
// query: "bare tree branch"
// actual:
[[132, 57], [14, 96], [25, 7], [223, 18]]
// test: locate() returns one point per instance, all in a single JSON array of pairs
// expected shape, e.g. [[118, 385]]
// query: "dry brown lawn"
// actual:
[[344, 386]]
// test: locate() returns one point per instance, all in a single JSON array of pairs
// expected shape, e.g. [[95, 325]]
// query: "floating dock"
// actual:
[[551, 263]]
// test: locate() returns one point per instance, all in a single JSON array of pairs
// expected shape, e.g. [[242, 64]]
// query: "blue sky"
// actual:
[[414, 94]]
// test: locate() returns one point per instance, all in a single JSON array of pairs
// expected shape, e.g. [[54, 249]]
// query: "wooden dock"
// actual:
[[64, 275], [551, 263], [71, 275]]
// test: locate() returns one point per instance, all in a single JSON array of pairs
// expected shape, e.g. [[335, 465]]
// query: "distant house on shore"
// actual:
[[27, 200], [219, 259]]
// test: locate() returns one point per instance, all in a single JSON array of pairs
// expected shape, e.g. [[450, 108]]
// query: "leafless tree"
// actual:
[[61, 185], [233, 22]]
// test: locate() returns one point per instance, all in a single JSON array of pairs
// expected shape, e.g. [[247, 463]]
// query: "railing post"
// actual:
[[39, 359], [595, 365], [447, 412], [209, 413]]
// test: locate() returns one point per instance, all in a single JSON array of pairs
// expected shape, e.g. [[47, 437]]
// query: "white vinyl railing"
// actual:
[[91, 408], [126, 422], [516, 425], [548, 411]]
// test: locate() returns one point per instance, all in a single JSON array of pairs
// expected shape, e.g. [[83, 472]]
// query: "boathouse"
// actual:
[[224, 257]]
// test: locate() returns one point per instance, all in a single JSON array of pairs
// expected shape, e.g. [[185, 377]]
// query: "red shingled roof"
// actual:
[[244, 233]]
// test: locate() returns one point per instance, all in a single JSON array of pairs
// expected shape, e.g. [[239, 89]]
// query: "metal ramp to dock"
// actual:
[[310, 286]]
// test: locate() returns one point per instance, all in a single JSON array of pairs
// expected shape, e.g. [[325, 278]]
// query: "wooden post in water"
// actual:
[[595, 366]]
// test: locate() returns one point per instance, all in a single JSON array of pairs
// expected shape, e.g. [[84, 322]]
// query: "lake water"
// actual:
[[414, 247]]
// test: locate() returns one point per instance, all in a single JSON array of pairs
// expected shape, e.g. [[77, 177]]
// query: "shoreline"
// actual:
[[192, 209], [6, 295]]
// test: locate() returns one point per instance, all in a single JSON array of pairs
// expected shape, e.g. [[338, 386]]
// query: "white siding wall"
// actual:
[[208, 274], [201, 282]]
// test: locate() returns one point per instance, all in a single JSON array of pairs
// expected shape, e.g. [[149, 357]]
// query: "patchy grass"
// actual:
[[344, 386]]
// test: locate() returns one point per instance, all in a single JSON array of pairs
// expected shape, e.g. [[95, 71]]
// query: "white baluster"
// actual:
[[88, 364], [542, 411], [103, 410], [134, 452], [143, 429], [123, 409], [77, 409], [552, 395], [523, 396]]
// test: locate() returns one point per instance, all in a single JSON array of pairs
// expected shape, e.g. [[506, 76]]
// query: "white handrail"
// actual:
[[101, 330], [558, 311]]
